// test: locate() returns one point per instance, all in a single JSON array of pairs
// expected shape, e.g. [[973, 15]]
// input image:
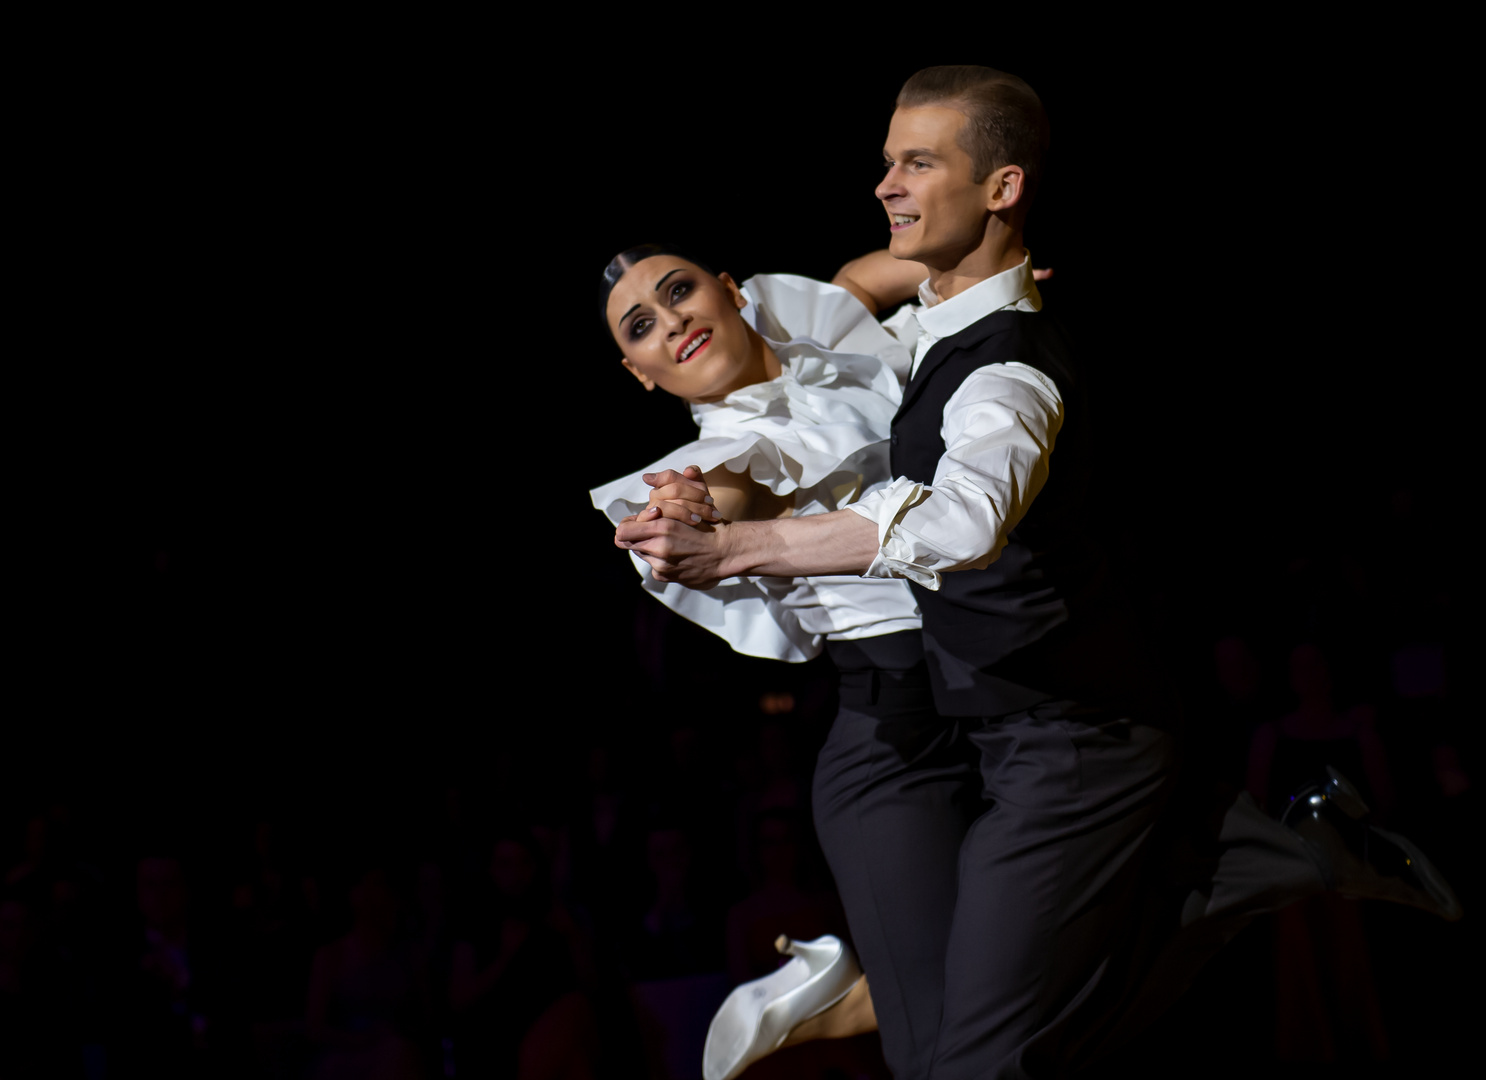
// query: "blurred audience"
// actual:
[[579, 913]]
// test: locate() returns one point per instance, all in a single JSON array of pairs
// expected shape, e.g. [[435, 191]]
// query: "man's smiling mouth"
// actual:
[[692, 344], [902, 221]]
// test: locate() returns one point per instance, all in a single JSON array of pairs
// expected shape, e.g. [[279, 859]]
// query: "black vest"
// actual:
[[1036, 624]]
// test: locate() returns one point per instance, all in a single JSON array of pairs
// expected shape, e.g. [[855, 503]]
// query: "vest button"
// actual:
[[894, 440]]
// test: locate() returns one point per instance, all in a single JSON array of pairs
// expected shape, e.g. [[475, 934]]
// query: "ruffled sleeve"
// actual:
[[790, 307], [745, 612]]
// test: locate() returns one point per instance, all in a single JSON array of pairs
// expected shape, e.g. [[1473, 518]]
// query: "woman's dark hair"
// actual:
[[620, 264]]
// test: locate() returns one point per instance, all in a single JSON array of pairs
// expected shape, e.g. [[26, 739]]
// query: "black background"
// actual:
[[327, 386], [322, 386]]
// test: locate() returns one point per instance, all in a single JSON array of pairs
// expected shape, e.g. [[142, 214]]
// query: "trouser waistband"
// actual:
[[900, 651]]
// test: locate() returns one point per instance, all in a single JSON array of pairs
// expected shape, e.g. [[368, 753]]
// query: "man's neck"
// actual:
[[999, 251]]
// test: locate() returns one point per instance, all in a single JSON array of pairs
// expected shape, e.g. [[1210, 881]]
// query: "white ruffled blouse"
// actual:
[[819, 430]]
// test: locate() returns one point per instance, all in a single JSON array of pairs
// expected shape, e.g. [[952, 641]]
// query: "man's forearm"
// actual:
[[841, 542]]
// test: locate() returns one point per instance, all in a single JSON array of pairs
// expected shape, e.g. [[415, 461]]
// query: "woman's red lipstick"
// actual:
[[682, 356]]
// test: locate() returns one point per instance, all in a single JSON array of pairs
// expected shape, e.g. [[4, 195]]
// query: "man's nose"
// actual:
[[891, 185]]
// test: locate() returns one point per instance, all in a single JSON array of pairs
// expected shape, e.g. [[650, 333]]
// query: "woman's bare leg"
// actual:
[[852, 1015]]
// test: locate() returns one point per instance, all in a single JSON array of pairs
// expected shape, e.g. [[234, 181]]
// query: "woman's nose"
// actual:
[[675, 321]]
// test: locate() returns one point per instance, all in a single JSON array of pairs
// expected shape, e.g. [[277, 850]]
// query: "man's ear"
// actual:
[[739, 300], [645, 380], [1004, 187]]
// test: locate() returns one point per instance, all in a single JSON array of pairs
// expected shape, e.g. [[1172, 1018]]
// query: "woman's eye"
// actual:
[[680, 289], [638, 328]]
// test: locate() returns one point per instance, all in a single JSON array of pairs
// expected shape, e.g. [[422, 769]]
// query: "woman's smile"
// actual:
[[693, 345]]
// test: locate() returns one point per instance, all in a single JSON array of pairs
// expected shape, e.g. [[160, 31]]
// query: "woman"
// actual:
[[794, 385]]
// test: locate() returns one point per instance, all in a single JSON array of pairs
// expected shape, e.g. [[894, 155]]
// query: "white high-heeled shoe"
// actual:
[[757, 1017]]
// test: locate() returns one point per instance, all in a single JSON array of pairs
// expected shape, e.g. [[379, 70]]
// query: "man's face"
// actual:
[[936, 211]]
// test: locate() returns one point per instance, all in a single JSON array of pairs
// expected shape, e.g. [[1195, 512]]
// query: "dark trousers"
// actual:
[[896, 789], [1007, 885]]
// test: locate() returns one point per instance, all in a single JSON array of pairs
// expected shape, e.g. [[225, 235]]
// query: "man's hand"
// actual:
[[676, 551], [669, 533], [699, 556]]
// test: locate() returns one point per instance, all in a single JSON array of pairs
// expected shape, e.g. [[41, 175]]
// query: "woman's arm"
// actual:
[[738, 498], [880, 281]]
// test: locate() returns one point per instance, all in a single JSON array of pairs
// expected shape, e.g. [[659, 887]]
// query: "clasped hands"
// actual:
[[679, 533]]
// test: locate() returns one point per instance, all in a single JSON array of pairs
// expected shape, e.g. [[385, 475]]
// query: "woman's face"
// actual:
[[679, 329]]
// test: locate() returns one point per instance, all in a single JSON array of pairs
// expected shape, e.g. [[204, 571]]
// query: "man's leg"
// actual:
[[895, 791], [1050, 877], [1243, 864]]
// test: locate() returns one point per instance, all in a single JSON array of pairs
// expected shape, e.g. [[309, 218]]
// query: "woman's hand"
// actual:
[[682, 497]]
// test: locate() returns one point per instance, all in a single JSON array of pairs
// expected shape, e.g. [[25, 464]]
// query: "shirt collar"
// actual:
[[941, 318]]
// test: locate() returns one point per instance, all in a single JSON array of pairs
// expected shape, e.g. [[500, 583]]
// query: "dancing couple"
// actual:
[[993, 795]]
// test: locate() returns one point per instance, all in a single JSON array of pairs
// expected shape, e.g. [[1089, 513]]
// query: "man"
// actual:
[[1032, 661]]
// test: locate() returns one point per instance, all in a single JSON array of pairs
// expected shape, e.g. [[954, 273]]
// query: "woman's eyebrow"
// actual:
[[658, 284]]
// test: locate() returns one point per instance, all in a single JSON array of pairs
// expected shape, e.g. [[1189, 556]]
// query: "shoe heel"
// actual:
[[819, 954], [1346, 796], [1337, 790]]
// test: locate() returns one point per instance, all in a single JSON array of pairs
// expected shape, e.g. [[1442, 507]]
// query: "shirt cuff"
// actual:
[[886, 508]]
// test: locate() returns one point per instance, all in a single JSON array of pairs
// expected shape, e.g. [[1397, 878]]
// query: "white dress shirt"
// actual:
[[819, 431], [998, 431]]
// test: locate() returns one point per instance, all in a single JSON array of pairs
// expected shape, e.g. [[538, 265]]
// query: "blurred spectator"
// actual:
[[783, 900], [1240, 707], [1327, 1006], [1296, 749], [513, 984], [679, 931], [271, 902], [367, 1005], [176, 1019], [34, 1042]]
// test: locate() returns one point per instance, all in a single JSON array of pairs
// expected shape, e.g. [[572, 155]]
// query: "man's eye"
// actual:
[[887, 164]]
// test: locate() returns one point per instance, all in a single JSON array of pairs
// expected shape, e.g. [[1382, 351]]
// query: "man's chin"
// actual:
[[901, 246]]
